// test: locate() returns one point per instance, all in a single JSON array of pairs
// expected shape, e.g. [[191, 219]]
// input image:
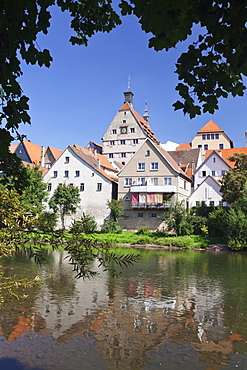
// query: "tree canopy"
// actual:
[[213, 66], [233, 183]]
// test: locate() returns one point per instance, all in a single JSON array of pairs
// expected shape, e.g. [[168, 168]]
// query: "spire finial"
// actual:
[[129, 83], [146, 116]]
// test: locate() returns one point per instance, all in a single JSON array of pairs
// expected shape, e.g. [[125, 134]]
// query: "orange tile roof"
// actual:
[[225, 153], [210, 127], [55, 152], [12, 148], [144, 124], [91, 159], [184, 146], [33, 150], [103, 160]]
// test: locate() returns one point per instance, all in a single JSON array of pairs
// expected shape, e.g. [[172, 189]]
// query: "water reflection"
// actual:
[[171, 310]]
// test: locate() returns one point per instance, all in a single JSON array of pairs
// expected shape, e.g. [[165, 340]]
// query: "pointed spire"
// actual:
[[128, 95], [146, 116]]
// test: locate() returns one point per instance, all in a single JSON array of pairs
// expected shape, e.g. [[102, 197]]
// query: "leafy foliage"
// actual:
[[111, 226], [86, 224], [65, 200], [143, 231], [116, 208], [233, 182]]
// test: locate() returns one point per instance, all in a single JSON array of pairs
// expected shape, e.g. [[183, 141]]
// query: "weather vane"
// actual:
[[129, 83]]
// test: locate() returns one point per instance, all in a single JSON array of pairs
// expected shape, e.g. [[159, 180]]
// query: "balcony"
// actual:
[[151, 205], [153, 189]]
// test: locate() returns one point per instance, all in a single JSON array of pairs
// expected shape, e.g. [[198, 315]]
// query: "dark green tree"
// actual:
[[116, 208], [232, 184], [65, 200]]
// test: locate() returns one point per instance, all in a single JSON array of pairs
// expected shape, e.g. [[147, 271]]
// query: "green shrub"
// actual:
[[111, 226], [144, 239], [86, 224], [47, 221], [143, 231], [236, 244]]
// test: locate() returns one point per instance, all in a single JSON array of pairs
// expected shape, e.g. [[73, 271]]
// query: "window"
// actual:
[[197, 203], [124, 120], [221, 146], [112, 142], [211, 203], [132, 130], [135, 141], [220, 203], [54, 173], [206, 147], [122, 142], [154, 166], [127, 181], [203, 137], [217, 136], [111, 155], [167, 181], [140, 166], [213, 173], [82, 186], [123, 155], [204, 173], [199, 146], [66, 173], [212, 136], [114, 131], [140, 215], [77, 173], [49, 187], [99, 186], [147, 153], [141, 181], [66, 159], [214, 160], [223, 172], [208, 136], [71, 184], [153, 215], [154, 181]]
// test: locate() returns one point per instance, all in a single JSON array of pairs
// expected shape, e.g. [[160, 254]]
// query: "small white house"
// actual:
[[92, 173], [208, 193]]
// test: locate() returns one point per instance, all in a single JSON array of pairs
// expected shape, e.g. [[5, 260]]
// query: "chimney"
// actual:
[[42, 160], [98, 163]]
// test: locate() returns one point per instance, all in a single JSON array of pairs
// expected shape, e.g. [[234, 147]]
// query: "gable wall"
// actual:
[[208, 166], [92, 201]]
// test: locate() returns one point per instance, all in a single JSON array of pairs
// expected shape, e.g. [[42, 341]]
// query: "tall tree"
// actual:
[[65, 200], [233, 182]]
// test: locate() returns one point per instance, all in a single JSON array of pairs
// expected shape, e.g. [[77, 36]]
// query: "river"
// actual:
[[171, 310]]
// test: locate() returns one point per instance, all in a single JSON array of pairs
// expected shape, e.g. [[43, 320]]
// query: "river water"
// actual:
[[171, 310]]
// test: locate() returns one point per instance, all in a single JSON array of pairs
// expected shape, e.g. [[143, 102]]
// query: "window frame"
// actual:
[[154, 166], [141, 166]]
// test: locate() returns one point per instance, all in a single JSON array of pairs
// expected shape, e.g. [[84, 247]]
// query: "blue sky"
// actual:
[[74, 100]]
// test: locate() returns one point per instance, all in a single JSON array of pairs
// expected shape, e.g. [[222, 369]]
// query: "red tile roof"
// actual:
[[34, 151], [184, 146], [104, 163], [225, 153], [55, 152], [210, 127], [144, 124]]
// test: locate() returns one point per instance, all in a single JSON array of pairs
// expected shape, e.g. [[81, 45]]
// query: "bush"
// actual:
[[111, 226], [86, 224], [143, 231], [47, 221], [144, 239]]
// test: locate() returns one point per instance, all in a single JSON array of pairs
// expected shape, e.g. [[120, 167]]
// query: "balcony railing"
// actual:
[[151, 205], [153, 189]]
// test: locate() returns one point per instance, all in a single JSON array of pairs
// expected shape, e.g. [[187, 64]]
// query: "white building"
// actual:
[[92, 174]]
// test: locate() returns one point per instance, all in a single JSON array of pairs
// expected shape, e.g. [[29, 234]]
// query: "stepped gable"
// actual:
[[184, 146], [144, 124], [91, 160], [210, 127], [225, 153]]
